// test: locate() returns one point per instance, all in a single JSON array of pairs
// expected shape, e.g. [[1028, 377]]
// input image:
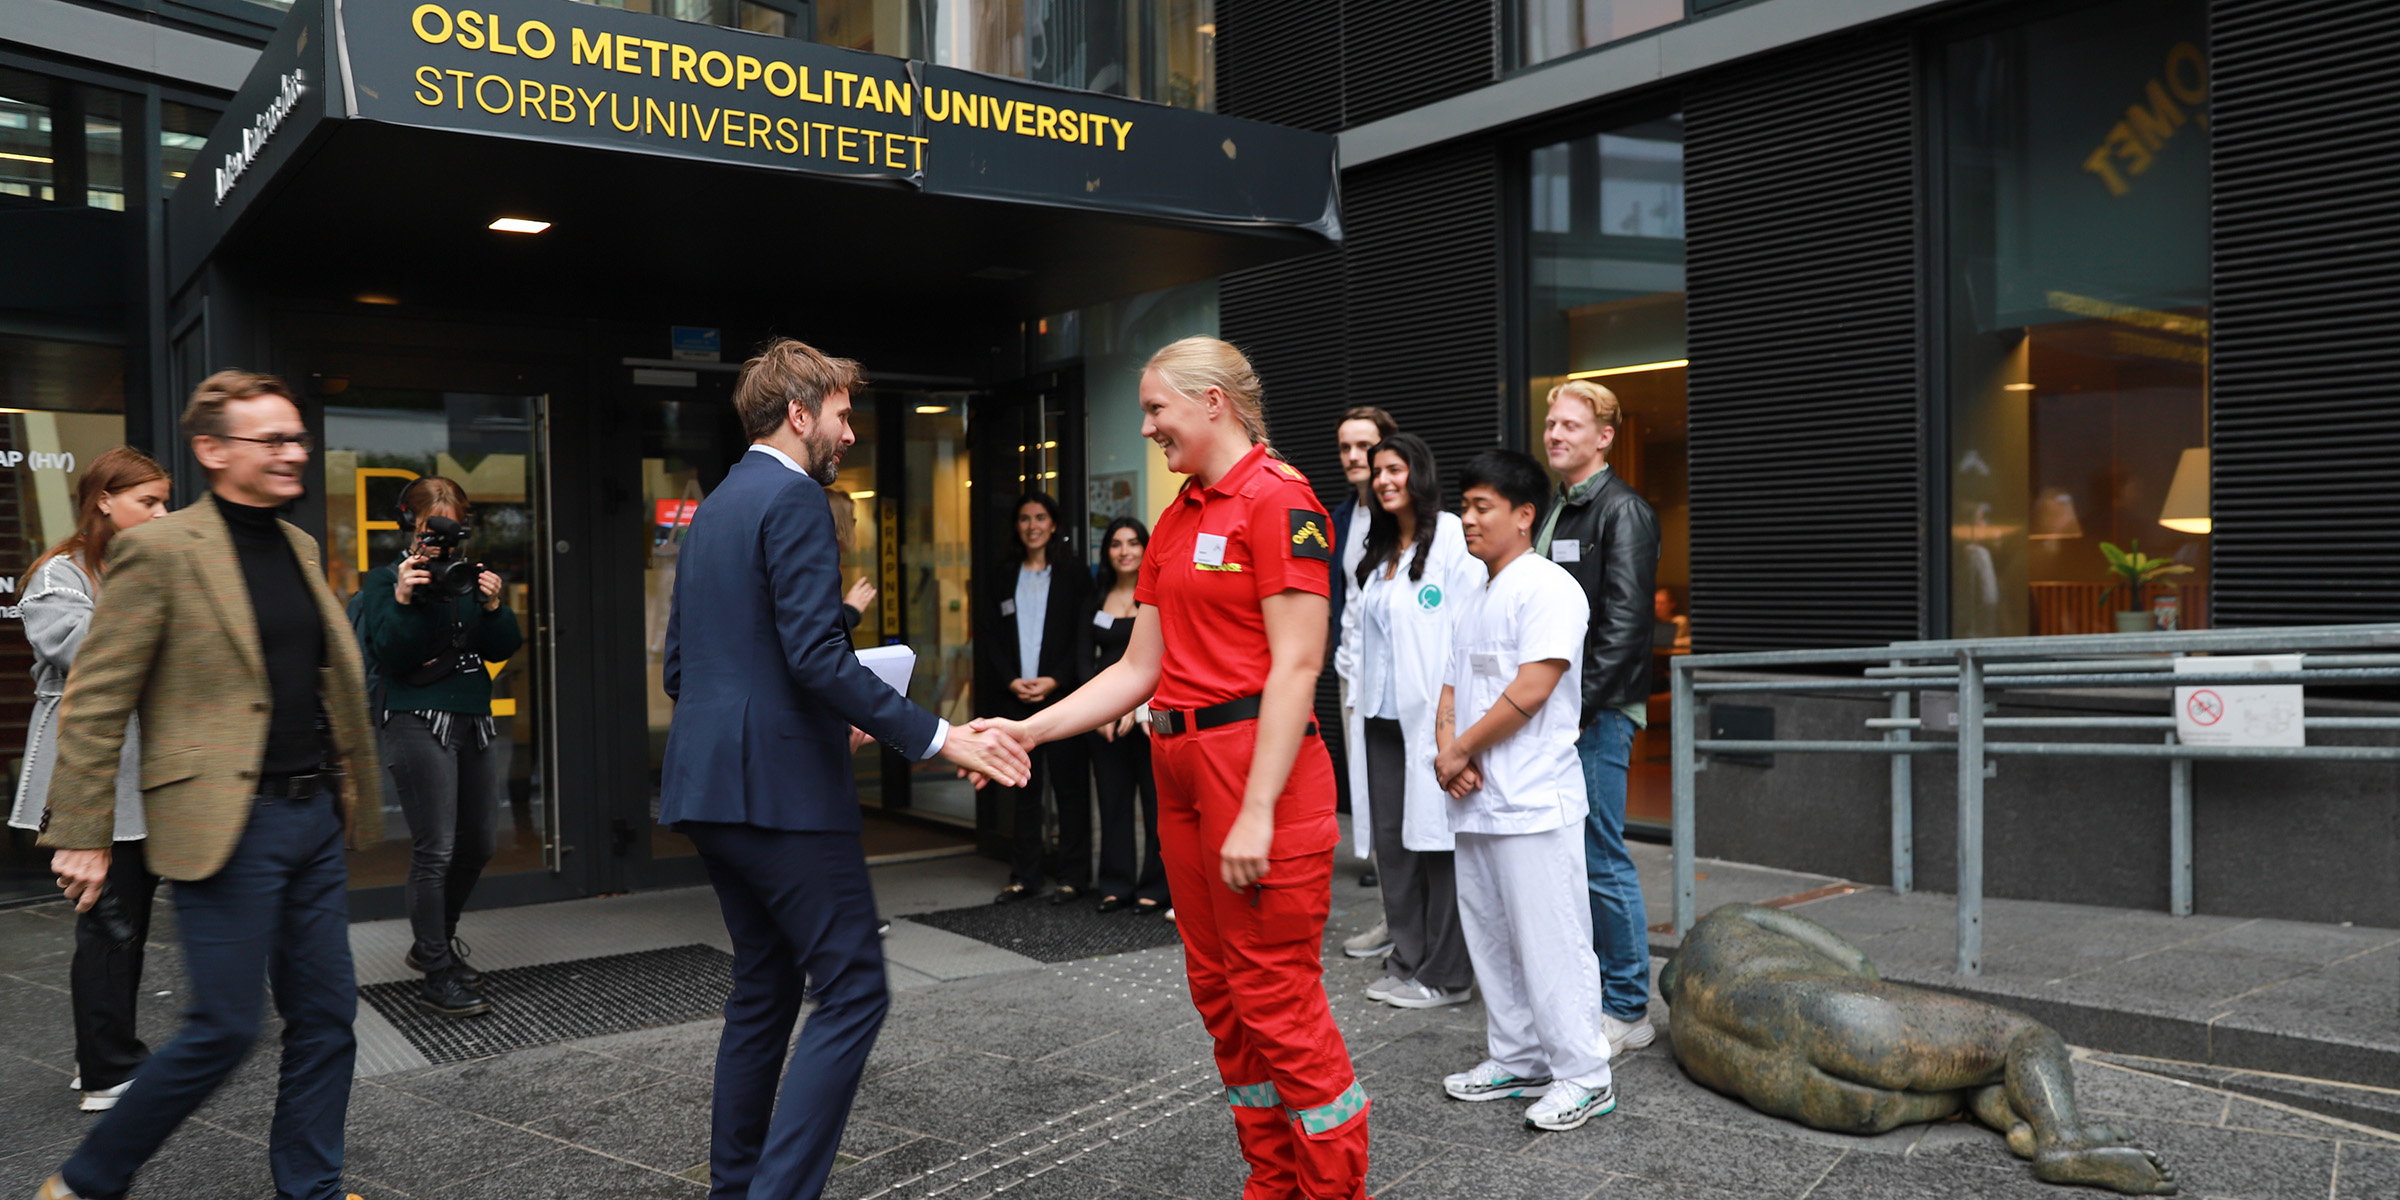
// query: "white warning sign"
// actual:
[[2266, 714]]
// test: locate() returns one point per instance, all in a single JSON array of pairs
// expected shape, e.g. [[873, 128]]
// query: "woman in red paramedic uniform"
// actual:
[[1227, 640]]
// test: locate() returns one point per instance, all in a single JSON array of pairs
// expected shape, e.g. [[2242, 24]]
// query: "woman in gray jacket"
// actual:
[[121, 489]]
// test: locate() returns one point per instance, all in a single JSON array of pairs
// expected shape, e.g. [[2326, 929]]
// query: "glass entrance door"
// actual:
[[378, 440]]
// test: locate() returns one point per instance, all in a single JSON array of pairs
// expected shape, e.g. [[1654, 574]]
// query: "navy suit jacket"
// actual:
[[765, 683]]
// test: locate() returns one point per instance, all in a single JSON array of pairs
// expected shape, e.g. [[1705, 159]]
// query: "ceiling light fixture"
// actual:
[[869, 494], [373, 298], [518, 225], [1668, 365], [927, 410], [2016, 387], [31, 158]]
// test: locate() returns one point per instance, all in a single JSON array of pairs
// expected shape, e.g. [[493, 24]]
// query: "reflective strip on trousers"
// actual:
[[1331, 1115], [1254, 1095]]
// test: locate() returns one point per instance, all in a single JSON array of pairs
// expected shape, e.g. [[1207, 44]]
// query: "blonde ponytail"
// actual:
[[1193, 365]]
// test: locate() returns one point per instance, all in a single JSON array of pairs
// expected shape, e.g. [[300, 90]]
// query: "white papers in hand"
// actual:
[[891, 664]]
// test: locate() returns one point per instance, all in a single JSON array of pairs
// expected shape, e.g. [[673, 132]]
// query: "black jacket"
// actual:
[[1616, 561], [1066, 628]]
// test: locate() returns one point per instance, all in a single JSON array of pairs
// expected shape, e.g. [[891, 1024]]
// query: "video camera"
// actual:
[[453, 577]]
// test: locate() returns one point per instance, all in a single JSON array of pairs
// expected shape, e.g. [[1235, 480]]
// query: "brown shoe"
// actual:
[[54, 1188]]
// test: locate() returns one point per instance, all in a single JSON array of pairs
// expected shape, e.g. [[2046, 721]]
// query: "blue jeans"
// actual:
[[279, 908], [1620, 923]]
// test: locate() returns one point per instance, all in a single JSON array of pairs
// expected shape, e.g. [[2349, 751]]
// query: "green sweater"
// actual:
[[400, 637]]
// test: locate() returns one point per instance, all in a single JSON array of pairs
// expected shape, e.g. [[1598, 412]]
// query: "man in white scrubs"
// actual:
[[1507, 727]]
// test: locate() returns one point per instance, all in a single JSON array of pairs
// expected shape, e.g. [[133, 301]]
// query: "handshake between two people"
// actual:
[[987, 750]]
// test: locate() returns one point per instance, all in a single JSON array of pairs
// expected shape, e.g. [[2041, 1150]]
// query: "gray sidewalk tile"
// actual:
[[203, 1162], [570, 1174], [893, 1167], [2364, 1170], [1667, 1152], [976, 1098], [664, 1126], [422, 1147], [1190, 1153], [683, 1049], [1463, 1171], [2101, 1088], [1883, 1177], [2233, 1162], [524, 1087], [36, 1109]]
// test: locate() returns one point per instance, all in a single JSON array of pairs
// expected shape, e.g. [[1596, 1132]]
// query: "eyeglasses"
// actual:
[[275, 442]]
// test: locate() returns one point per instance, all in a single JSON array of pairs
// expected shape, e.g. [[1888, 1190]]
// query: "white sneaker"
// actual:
[[1489, 1081], [1566, 1106], [1626, 1035], [1383, 986], [1411, 994], [1374, 943], [76, 1084], [104, 1099]]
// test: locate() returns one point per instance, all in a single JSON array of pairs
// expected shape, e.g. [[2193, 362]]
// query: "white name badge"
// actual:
[[1208, 550], [1104, 620], [1008, 608], [1484, 662], [1566, 550]]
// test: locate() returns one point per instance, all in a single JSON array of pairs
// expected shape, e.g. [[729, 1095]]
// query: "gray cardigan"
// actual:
[[57, 609]]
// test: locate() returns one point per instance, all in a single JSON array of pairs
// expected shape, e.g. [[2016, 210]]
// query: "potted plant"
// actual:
[[2138, 570]]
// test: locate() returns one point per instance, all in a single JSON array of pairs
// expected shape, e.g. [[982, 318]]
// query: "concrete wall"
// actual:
[[2298, 841]]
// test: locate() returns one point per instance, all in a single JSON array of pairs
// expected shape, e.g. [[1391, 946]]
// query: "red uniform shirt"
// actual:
[[1217, 551]]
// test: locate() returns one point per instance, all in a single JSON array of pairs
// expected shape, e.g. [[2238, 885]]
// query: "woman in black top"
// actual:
[[1031, 639], [1121, 749]]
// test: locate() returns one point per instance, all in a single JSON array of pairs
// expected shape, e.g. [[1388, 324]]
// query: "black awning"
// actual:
[[375, 140]]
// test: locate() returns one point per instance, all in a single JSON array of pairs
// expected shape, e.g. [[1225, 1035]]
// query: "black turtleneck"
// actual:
[[291, 634]]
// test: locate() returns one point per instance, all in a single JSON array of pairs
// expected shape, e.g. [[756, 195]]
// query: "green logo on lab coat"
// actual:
[[1429, 597]]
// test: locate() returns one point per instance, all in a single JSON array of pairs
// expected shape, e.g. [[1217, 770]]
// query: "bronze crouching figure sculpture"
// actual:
[[1781, 1012]]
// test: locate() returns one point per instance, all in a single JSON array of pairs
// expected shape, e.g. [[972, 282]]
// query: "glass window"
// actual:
[[28, 159], [1125, 474], [104, 149], [182, 132], [1162, 50], [1548, 29], [2077, 197], [376, 441], [1606, 303]]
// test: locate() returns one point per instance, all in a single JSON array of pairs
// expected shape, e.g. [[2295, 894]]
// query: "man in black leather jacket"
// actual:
[[1606, 536]]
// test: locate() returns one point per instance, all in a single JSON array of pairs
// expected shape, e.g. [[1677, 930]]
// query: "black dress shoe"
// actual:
[[1368, 879], [443, 993], [1012, 893], [1066, 895], [1109, 904]]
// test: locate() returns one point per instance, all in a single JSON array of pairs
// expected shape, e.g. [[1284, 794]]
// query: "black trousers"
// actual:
[[106, 978], [451, 796], [1122, 771], [1067, 769]]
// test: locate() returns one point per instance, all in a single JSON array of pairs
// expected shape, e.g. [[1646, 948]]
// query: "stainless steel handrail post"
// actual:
[[2179, 834], [1686, 765], [1970, 814], [1904, 831]]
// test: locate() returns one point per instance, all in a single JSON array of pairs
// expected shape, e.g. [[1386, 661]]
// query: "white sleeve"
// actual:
[[1549, 621], [1345, 654]]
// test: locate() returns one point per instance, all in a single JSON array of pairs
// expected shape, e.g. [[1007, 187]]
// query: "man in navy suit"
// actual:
[[770, 704]]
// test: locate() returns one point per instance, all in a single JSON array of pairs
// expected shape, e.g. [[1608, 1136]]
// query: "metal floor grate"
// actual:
[[1054, 934], [557, 1002]]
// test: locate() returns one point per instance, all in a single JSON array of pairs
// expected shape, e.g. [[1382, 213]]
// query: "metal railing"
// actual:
[[1974, 668]]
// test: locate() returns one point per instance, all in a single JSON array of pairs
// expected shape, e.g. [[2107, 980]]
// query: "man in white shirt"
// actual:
[[1507, 727]]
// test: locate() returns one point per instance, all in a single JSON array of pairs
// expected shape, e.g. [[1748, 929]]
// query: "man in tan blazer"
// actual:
[[258, 765]]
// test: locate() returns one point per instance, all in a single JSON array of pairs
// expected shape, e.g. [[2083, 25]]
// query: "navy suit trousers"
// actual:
[[278, 911], [800, 910]]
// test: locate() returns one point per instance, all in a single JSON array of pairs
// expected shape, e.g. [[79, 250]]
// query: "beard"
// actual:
[[824, 459]]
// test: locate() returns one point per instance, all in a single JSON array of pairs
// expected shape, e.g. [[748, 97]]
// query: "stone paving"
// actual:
[[996, 1077]]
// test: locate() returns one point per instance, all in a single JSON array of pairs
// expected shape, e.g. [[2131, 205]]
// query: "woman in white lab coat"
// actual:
[[1409, 586]]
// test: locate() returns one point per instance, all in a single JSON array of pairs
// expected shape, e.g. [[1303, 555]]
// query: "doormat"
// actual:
[[558, 1002], [1055, 934]]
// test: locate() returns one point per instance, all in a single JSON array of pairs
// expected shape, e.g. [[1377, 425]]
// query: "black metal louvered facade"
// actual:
[[1332, 64], [2304, 111], [1804, 239], [1398, 54], [1281, 61]]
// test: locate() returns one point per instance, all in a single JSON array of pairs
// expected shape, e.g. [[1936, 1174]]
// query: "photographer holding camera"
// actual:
[[432, 621]]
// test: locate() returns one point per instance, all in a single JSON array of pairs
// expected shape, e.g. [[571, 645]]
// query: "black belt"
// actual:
[[299, 787], [1167, 721]]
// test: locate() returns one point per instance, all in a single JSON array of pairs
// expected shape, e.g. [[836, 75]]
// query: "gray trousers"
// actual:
[[1420, 887], [451, 796]]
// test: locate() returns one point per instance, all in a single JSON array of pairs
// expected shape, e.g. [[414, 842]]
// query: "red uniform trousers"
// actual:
[[1254, 961]]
